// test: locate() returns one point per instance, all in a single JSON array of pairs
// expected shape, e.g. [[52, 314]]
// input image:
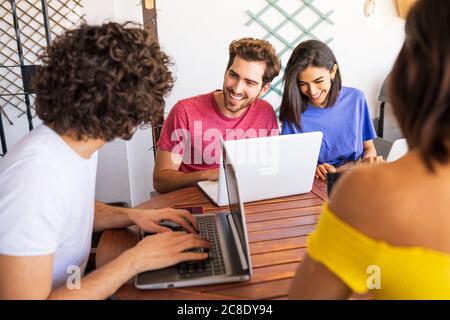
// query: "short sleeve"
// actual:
[[31, 214], [368, 130], [343, 250], [287, 128], [273, 127], [175, 131]]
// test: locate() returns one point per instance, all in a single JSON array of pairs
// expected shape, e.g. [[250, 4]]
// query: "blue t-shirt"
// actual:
[[345, 126]]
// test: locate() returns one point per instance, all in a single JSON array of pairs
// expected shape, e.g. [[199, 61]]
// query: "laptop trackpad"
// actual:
[[163, 276]]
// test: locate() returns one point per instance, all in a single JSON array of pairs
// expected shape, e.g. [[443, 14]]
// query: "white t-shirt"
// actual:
[[47, 198]]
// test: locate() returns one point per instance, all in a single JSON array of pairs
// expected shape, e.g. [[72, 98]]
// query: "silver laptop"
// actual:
[[269, 167], [216, 191], [229, 255], [399, 149]]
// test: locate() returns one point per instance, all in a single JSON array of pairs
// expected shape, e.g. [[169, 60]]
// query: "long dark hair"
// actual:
[[308, 53], [420, 81]]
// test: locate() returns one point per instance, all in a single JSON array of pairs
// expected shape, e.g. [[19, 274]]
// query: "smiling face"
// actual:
[[242, 85], [315, 83]]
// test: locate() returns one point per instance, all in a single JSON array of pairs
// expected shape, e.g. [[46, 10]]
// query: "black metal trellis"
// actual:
[[26, 70], [2, 136], [24, 34]]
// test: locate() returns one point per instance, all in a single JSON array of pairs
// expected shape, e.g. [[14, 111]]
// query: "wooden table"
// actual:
[[277, 234]]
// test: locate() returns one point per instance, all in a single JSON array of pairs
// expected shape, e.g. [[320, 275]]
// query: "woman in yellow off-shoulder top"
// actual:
[[386, 229]]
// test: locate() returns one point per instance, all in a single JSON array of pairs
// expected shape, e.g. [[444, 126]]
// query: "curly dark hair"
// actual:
[[102, 82]]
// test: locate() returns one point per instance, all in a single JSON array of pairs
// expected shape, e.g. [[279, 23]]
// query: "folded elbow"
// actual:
[[159, 184]]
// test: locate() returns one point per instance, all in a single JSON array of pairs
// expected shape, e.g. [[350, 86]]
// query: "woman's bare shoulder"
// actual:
[[393, 202], [373, 197], [363, 190]]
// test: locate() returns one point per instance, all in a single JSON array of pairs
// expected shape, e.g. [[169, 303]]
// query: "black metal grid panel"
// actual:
[[26, 27]]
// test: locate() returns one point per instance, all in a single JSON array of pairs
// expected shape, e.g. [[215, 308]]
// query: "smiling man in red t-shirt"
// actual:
[[189, 148]]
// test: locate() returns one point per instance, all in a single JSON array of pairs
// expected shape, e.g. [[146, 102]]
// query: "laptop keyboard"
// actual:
[[215, 264]]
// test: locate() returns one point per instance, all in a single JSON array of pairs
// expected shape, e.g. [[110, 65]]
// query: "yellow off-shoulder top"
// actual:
[[366, 264]]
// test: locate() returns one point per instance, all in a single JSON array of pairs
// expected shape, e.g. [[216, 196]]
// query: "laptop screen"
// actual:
[[234, 200], [399, 149]]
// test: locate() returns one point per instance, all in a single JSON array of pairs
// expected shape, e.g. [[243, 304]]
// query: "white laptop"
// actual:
[[229, 254], [399, 149], [269, 167]]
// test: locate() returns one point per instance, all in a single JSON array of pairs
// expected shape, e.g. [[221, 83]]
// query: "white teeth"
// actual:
[[317, 95], [232, 96]]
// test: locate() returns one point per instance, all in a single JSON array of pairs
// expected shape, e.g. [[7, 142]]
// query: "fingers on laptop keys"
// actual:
[[193, 247], [168, 248], [188, 219], [183, 218]]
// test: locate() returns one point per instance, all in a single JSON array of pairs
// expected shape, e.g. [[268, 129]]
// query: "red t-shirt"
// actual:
[[194, 126]]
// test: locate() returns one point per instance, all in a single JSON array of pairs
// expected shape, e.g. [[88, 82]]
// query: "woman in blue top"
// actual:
[[314, 100]]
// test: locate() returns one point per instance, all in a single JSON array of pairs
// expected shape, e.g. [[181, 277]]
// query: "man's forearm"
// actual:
[[170, 180], [110, 217], [101, 283]]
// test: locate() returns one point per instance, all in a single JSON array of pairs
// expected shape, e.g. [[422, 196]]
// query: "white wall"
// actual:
[[113, 177], [366, 49], [99, 11], [19, 127]]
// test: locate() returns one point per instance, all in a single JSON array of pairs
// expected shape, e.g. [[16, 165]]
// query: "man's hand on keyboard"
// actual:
[[149, 220], [166, 249]]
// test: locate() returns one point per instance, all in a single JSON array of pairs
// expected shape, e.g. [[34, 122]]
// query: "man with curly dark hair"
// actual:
[[188, 149], [96, 83]]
